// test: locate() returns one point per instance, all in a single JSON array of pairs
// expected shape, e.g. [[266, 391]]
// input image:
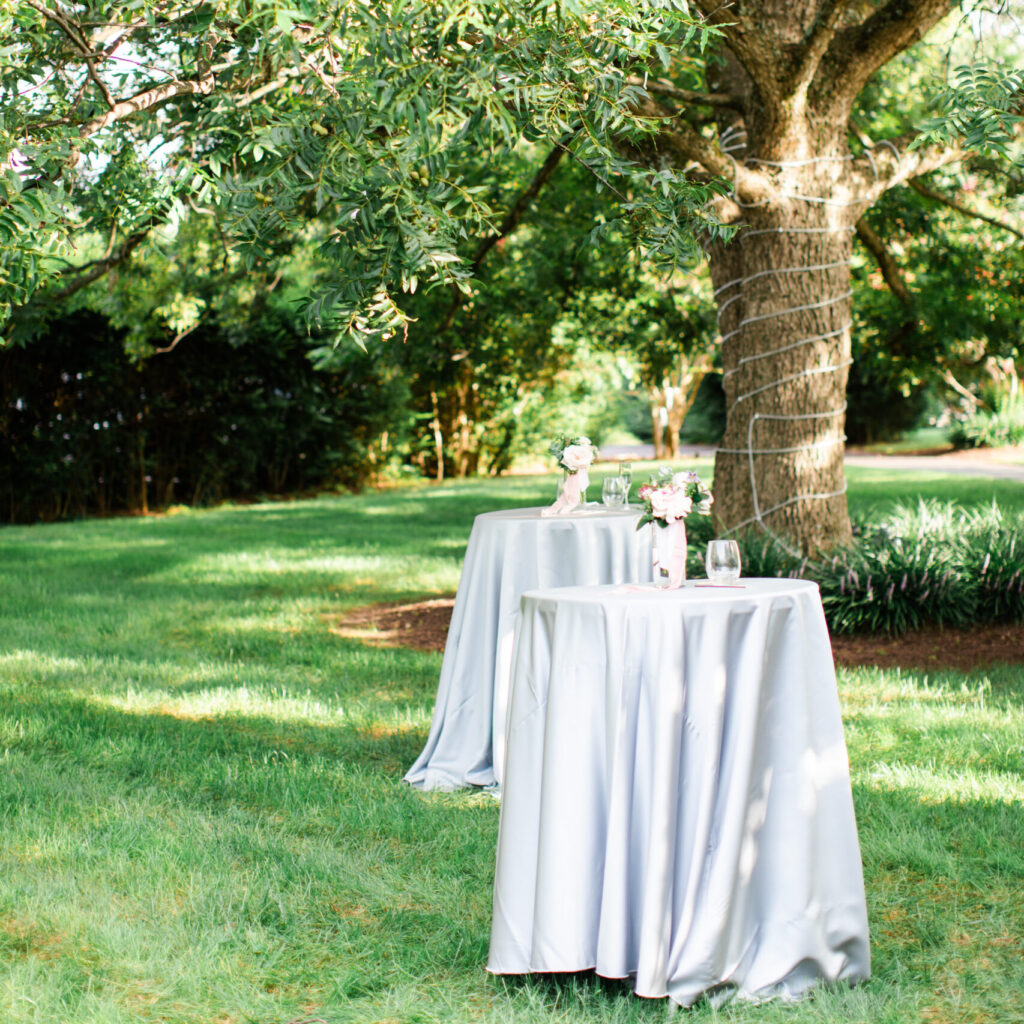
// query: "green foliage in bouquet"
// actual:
[[672, 495]]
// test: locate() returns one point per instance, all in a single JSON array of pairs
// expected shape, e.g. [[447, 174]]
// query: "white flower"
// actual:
[[670, 504], [577, 456], [682, 479]]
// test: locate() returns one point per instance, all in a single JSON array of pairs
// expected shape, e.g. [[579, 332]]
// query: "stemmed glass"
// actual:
[[723, 562], [626, 472], [613, 491]]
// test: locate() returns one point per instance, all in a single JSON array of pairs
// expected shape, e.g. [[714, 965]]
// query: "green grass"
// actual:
[[202, 818], [922, 439]]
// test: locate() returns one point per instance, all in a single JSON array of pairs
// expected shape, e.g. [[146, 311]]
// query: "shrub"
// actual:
[[933, 563], [995, 428], [994, 561], [86, 431]]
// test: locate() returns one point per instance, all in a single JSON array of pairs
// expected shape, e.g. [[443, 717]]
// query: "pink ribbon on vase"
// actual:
[[572, 490]]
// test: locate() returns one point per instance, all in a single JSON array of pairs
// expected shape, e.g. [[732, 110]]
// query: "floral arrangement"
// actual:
[[573, 453], [671, 496]]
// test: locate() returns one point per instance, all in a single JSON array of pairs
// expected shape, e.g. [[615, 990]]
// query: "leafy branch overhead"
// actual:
[[981, 106], [358, 121], [354, 115]]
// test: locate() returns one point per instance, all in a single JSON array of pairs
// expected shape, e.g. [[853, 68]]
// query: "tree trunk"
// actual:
[[435, 429], [657, 422], [783, 291], [670, 401]]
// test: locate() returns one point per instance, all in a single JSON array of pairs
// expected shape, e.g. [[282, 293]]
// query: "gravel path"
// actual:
[[992, 464]]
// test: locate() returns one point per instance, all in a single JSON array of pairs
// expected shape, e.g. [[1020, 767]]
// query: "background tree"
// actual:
[[179, 379], [937, 294], [117, 115], [662, 325]]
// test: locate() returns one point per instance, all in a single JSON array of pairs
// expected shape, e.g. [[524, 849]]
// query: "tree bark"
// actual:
[[783, 291], [792, 72]]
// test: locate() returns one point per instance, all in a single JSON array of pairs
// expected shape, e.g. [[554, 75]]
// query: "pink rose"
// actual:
[[670, 504]]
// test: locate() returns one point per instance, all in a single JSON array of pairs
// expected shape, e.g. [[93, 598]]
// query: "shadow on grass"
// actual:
[[158, 745]]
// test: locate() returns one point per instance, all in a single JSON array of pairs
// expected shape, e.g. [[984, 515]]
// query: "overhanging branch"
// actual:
[[89, 272], [201, 86], [77, 39], [509, 224], [702, 99], [938, 197], [855, 54]]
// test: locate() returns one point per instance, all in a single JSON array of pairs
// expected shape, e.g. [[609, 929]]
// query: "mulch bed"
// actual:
[[423, 626]]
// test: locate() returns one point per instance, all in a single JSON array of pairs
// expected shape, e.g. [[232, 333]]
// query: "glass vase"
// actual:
[[668, 553], [579, 484]]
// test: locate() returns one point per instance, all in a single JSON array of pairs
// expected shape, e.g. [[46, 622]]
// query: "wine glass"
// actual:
[[613, 491], [723, 561], [626, 472]]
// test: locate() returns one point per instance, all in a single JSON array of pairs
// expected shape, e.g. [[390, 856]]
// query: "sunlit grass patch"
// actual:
[[929, 784]]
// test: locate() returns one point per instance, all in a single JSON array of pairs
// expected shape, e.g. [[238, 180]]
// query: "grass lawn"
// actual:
[[202, 819], [923, 439]]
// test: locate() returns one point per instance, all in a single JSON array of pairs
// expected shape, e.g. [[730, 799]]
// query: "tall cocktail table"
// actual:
[[509, 552], [676, 804]]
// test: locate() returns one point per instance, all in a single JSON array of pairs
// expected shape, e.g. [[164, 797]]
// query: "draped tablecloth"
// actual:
[[510, 552], [676, 806]]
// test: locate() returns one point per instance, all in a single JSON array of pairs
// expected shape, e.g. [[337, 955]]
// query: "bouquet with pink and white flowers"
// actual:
[[671, 496], [573, 453]]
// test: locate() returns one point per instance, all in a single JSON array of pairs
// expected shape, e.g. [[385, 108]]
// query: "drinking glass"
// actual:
[[626, 472], [613, 491], [723, 561]]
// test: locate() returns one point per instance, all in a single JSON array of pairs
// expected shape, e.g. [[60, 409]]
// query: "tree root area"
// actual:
[[423, 626]]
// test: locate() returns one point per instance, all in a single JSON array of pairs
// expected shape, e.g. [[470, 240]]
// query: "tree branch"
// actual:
[[687, 144], [895, 343], [857, 53], [892, 162], [509, 224], [79, 42], [89, 272], [703, 99], [938, 197], [181, 335], [973, 402], [283, 78], [753, 50], [816, 43], [888, 266], [201, 86]]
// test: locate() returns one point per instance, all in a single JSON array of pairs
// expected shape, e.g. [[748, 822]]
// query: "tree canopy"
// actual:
[[119, 115], [751, 132]]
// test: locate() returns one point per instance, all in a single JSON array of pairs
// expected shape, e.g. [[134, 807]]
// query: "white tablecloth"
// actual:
[[676, 804], [510, 552]]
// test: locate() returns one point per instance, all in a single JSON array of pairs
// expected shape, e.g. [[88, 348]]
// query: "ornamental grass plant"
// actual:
[[202, 817], [998, 427], [930, 563]]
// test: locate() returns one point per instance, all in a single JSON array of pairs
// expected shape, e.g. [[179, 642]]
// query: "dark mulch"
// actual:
[[935, 648], [423, 626]]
